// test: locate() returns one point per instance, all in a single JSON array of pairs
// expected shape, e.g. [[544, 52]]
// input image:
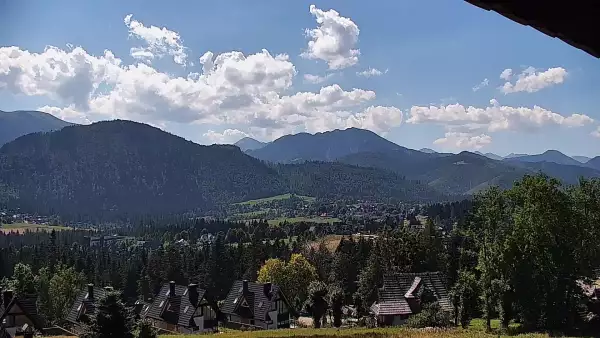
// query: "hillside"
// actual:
[[594, 163], [120, 167], [337, 180], [326, 146], [462, 173], [126, 167], [19, 123], [248, 143], [553, 156], [582, 159]]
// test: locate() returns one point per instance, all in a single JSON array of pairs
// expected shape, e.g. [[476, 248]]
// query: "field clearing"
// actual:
[[23, 227], [363, 333], [276, 198], [313, 219]]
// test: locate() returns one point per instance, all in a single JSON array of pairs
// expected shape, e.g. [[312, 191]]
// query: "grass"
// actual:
[[313, 219], [276, 198], [362, 333], [23, 227]]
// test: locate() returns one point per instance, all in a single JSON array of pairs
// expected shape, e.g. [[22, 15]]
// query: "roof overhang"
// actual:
[[576, 22]]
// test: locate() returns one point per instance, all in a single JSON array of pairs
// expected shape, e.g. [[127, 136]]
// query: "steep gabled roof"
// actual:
[[259, 303], [398, 286], [176, 309], [28, 304], [84, 304]]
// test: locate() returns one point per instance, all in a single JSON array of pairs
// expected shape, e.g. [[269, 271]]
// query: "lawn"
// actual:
[[363, 333], [276, 198], [23, 227], [313, 219]]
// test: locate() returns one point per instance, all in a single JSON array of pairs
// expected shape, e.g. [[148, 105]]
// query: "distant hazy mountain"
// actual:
[[582, 159], [490, 155], [428, 151], [18, 123], [513, 155], [248, 143], [553, 156], [326, 146], [594, 163]]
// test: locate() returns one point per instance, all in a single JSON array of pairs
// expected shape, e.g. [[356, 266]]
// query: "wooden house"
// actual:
[[256, 306], [400, 296], [182, 309]]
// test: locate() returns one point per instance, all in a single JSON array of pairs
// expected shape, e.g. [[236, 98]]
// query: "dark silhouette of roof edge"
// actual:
[[574, 22]]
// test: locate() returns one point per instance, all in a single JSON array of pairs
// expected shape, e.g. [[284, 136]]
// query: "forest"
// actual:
[[519, 255]]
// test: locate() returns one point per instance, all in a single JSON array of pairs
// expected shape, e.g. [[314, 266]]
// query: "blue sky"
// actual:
[[427, 56]]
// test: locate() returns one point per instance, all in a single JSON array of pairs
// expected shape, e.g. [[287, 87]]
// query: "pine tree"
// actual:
[[111, 319]]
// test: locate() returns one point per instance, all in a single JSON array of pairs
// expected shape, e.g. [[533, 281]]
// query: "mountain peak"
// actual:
[[22, 122], [323, 146], [248, 143]]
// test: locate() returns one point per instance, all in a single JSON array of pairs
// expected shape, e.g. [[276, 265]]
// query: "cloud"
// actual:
[[233, 89], [159, 42], [463, 140], [506, 74], [334, 40], [483, 83], [228, 136], [596, 132], [532, 81], [315, 79], [494, 118], [371, 72]]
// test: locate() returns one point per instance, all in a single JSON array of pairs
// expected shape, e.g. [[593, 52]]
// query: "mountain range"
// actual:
[[117, 168], [122, 167], [18, 123]]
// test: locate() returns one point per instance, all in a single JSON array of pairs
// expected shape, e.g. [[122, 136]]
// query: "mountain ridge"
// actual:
[[15, 124]]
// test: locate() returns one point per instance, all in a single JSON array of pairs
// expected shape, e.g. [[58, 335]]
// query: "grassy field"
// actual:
[[364, 333], [303, 219], [23, 227], [276, 198]]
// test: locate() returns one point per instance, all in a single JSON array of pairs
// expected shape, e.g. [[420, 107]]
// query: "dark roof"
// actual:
[[575, 22], [259, 303], [176, 309], [84, 302], [28, 304], [398, 286]]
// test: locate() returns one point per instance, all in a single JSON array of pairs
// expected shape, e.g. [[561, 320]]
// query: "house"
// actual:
[[256, 306], [183, 309], [400, 296], [85, 306], [19, 316]]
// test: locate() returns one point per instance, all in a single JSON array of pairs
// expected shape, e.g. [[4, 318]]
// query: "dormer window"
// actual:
[[244, 303]]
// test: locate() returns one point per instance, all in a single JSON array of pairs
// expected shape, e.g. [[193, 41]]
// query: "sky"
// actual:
[[441, 74]]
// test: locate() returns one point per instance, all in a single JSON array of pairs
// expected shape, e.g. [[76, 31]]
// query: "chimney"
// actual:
[[245, 286], [267, 287], [171, 289], [193, 294], [7, 296], [90, 288]]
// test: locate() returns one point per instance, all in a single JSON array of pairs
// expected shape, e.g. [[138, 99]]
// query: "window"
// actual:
[[260, 305], [186, 309], [161, 304]]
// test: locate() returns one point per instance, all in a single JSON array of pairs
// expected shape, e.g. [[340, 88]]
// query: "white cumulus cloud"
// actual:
[[463, 140], [596, 132], [494, 117], [159, 41], [531, 81], [315, 79], [334, 40], [506, 74]]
